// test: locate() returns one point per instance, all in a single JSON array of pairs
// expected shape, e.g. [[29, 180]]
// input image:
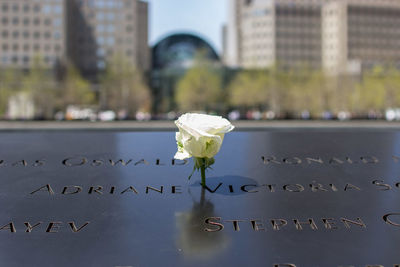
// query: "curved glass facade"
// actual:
[[179, 50]]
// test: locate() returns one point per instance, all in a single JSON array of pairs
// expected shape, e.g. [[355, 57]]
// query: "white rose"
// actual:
[[200, 135]]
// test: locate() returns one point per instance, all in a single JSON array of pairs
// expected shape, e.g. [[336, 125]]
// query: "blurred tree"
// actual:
[[250, 89], [339, 91], [75, 90], [281, 82], [201, 86], [40, 85], [370, 92], [391, 82], [123, 88], [7, 85], [306, 90]]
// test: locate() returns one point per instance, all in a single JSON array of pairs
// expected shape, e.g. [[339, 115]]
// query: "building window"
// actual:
[[57, 48], [101, 64], [47, 35], [129, 28], [36, 8], [15, 47], [110, 28], [57, 9], [26, 8], [25, 34], [118, 4], [100, 52], [4, 59], [14, 59], [5, 47], [46, 9], [36, 47], [36, 35], [4, 7], [110, 16], [26, 21], [15, 7], [26, 47], [110, 41], [4, 34], [15, 21], [57, 35], [26, 59], [15, 34], [4, 21], [110, 4], [101, 28], [100, 41], [57, 22], [100, 16], [47, 22], [36, 21]]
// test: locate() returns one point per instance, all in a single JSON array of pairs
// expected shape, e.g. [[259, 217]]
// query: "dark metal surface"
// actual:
[[334, 178]]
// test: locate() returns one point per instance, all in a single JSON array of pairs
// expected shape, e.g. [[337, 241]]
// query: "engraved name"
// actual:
[[217, 224], [50, 227], [81, 161], [273, 160], [313, 187]]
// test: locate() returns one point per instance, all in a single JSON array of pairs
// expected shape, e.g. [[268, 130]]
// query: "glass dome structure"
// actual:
[[179, 50]]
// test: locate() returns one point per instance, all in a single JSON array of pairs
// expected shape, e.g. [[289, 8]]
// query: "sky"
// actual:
[[202, 17]]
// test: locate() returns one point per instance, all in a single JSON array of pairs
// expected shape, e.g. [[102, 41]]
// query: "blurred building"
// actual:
[[98, 30], [31, 28], [342, 36], [358, 34], [85, 32], [261, 33], [171, 58]]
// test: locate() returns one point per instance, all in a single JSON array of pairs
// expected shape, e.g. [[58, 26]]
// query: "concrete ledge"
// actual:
[[170, 126]]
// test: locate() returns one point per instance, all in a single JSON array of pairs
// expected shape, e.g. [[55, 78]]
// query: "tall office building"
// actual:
[[85, 32], [358, 34], [30, 28], [98, 30], [265, 32], [341, 36]]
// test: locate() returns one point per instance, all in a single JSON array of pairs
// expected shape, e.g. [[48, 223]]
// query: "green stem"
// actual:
[[203, 172]]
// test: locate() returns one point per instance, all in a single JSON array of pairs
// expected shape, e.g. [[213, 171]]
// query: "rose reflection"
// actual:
[[193, 240]]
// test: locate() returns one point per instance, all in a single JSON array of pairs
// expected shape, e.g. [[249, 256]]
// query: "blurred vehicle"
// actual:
[[305, 115], [107, 115], [171, 115], [122, 115], [392, 114], [234, 115], [256, 115], [269, 115], [343, 115], [59, 116], [327, 115], [143, 116], [78, 113], [374, 115]]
